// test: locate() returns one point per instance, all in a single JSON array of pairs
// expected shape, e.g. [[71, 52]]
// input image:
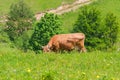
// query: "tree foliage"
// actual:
[[98, 35], [48, 26], [111, 27], [89, 23], [20, 20]]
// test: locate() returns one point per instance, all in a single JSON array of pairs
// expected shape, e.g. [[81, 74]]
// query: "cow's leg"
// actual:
[[81, 46], [83, 49]]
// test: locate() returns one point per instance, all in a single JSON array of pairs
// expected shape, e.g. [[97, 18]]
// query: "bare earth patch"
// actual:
[[64, 8], [60, 10]]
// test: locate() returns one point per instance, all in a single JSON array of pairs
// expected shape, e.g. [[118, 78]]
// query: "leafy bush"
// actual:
[[89, 23], [20, 20], [98, 35], [111, 31], [3, 36], [48, 26]]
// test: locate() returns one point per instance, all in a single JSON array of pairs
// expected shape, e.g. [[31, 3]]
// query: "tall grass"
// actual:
[[90, 66], [96, 65]]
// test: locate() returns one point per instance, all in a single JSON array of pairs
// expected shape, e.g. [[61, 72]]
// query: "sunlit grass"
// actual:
[[36, 6], [74, 66], [96, 65]]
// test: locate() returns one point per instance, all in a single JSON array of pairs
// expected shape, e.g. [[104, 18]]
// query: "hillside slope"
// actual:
[[64, 8], [36, 6], [105, 6]]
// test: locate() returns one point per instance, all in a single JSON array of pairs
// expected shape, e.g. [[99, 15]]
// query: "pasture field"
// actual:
[[36, 6], [95, 65]]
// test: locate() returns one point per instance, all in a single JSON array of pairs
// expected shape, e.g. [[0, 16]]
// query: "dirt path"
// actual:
[[60, 10], [64, 8]]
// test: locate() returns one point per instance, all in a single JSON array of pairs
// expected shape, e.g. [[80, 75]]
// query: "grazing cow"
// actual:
[[66, 42]]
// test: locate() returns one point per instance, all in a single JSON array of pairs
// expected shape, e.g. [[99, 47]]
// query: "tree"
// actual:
[[111, 27], [101, 34], [20, 20], [48, 26], [89, 22]]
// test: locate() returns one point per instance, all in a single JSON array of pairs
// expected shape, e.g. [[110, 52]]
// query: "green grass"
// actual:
[[108, 6], [36, 6], [68, 20], [15, 64], [74, 66]]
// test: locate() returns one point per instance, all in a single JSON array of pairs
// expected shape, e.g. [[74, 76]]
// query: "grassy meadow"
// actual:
[[90, 66], [18, 65]]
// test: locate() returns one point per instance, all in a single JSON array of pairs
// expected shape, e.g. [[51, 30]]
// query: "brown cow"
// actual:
[[66, 42]]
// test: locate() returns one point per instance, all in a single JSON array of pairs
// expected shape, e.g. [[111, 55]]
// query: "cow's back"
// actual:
[[61, 41], [63, 37]]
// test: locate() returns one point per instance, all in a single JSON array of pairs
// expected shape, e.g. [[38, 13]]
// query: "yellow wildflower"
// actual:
[[98, 76], [113, 78], [28, 70]]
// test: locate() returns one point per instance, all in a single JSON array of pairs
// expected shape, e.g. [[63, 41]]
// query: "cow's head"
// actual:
[[46, 48]]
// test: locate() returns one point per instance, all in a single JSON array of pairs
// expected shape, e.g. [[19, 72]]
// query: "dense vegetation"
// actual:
[[20, 21], [100, 33], [96, 65], [48, 26]]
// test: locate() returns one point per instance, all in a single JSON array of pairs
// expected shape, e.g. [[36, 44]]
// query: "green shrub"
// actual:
[[111, 30], [20, 20], [48, 26], [3, 36], [89, 23], [99, 36]]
